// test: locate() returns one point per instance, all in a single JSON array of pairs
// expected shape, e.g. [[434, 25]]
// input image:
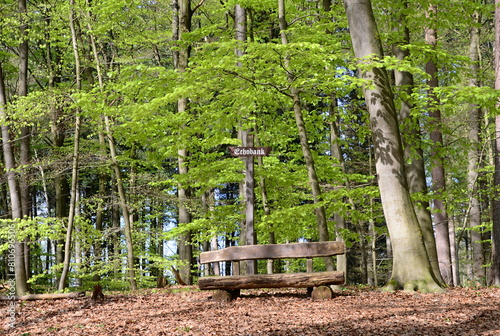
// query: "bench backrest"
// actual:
[[274, 251]]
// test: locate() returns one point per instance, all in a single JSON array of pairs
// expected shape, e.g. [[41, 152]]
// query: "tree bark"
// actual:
[[437, 152], [411, 266], [74, 169], [265, 206], [413, 152], [250, 237], [24, 148], [496, 182], [337, 155], [22, 91], [184, 244], [124, 206], [15, 197], [473, 156]]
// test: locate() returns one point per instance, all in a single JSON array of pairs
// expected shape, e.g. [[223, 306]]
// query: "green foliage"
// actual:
[[226, 94]]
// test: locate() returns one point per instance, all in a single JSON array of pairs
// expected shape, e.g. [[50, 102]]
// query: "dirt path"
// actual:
[[186, 311]]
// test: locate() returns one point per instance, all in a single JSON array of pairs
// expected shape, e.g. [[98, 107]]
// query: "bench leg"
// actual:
[[222, 295], [321, 293]]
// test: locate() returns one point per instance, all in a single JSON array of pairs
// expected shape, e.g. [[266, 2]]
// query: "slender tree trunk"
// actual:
[[437, 152], [24, 152], [250, 237], [208, 200], [304, 142], [373, 280], [124, 206], [413, 152], [184, 242], [15, 198], [411, 266], [336, 153], [117, 171], [454, 252], [22, 91], [62, 189], [265, 205], [496, 182], [76, 155], [99, 216], [473, 167]]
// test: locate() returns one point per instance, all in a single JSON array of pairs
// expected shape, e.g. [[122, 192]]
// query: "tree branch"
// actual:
[[254, 83]]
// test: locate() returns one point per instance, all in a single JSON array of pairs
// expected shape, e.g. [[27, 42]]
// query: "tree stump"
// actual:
[[97, 294], [161, 282], [322, 293], [225, 295]]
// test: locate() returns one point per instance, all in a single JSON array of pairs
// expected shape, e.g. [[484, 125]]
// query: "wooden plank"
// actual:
[[298, 280], [236, 267], [309, 265], [274, 251]]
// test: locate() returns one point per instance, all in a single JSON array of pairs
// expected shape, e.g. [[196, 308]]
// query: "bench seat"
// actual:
[[279, 280]]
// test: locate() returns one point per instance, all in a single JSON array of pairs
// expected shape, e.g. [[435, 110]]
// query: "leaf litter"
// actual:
[[188, 311]]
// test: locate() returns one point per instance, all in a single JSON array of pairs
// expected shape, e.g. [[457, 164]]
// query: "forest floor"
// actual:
[[188, 311]]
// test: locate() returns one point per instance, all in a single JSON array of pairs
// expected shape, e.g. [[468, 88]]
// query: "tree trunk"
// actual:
[[24, 152], [15, 198], [473, 167], [304, 142], [22, 91], [124, 206], [496, 182], [413, 153], [337, 155], [265, 206], [117, 170], [184, 242], [250, 237], [411, 266], [74, 169], [437, 152], [99, 216]]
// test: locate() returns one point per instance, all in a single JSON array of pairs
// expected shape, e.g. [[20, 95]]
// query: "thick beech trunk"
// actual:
[[411, 266], [413, 153]]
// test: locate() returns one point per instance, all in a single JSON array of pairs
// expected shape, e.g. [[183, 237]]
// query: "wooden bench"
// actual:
[[317, 282]]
